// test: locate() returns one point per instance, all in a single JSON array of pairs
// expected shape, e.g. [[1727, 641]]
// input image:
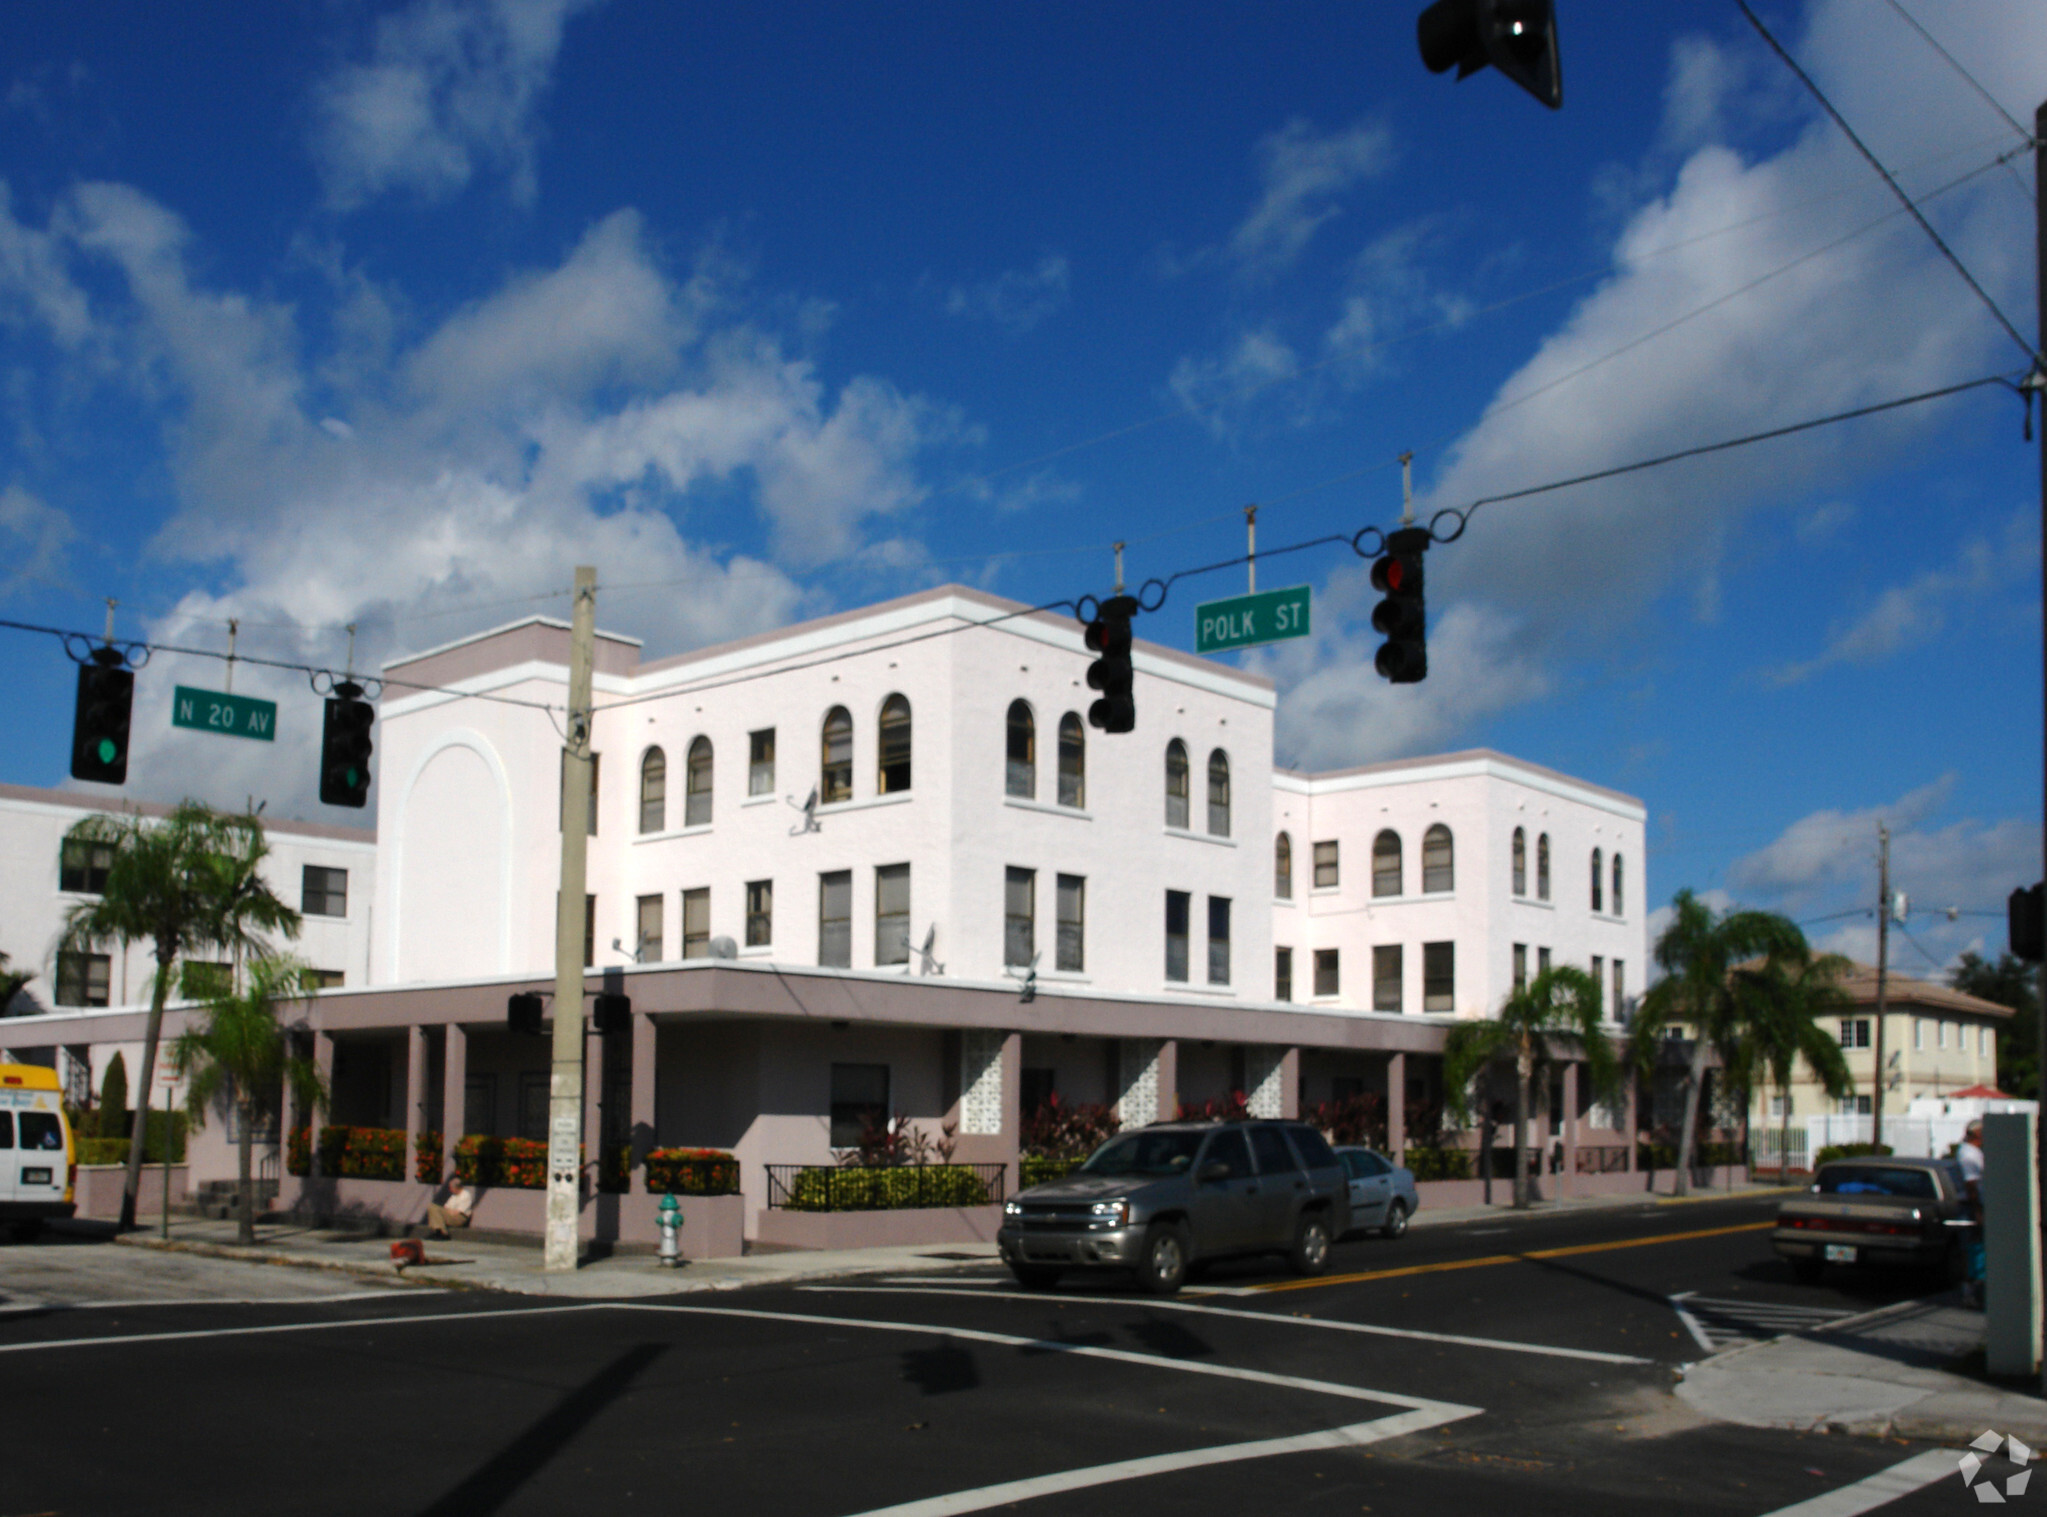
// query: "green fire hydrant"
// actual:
[[669, 1216]]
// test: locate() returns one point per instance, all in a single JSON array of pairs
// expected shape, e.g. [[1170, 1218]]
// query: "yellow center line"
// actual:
[[1490, 1259]]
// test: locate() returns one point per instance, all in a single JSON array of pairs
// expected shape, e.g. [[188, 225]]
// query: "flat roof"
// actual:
[[86, 800]]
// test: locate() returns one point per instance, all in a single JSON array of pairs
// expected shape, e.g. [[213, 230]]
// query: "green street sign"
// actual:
[[1270, 616], [230, 715]]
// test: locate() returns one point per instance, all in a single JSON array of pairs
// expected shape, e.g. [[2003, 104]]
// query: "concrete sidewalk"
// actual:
[[1891, 1371]]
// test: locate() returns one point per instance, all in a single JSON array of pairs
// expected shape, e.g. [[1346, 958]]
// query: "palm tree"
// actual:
[[1556, 1012], [190, 881], [239, 1055], [1780, 1001], [11, 983], [1698, 952]]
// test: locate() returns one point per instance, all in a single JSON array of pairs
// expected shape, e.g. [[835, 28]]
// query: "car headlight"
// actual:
[[1012, 1208], [1110, 1213]]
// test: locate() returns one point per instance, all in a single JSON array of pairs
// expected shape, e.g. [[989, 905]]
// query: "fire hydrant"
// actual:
[[669, 1216]]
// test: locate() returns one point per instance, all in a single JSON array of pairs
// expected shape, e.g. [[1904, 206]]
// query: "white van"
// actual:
[[38, 1165]]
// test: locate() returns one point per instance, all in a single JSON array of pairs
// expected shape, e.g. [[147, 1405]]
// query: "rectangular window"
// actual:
[[892, 914], [647, 950], [760, 913], [696, 923], [1072, 906], [589, 931], [533, 1105], [83, 979], [1855, 1106], [1439, 977], [1039, 1086], [480, 1105], [1855, 1032], [323, 892], [859, 1099], [1019, 916], [1178, 903], [1218, 940], [1620, 992], [1072, 763], [1918, 1033], [1940, 1034], [760, 762], [328, 979], [1325, 865], [835, 919], [562, 794], [1282, 974], [82, 867], [1542, 961], [1599, 977], [1328, 981], [1386, 977], [1982, 1042], [204, 979], [696, 784], [1520, 966]]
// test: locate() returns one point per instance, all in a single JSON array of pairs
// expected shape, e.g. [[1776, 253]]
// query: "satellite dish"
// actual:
[[926, 962], [809, 810], [723, 947]]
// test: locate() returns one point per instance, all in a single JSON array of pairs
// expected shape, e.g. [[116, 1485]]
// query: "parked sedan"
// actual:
[[1382, 1193], [1875, 1211]]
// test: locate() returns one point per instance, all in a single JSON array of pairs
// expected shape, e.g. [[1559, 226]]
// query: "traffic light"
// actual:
[[611, 1011], [1109, 635], [2024, 911], [1517, 37], [522, 1014], [1404, 656], [345, 747], [99, 720]]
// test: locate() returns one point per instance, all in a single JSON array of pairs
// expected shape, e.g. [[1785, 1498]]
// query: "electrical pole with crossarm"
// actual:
[[565, 1084]]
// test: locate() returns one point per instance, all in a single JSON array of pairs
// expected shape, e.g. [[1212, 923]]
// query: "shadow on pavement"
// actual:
[[941, 1370]]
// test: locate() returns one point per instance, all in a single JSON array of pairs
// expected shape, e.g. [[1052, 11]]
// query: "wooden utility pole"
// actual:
[[1883, 954], [565, 1085]]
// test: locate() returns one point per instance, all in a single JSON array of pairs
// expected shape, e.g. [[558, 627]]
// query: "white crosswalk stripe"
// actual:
[[1718, 1323]]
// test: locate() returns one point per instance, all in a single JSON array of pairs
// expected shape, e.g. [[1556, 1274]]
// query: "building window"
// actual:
[[1282, 974], [83, 867], [1218, 940], [1439, 861], [647, 950], [1070, 950], [1617, 909], [206, 979], [1386, 977], [1520, 861], [1219, 794], [1038, 1087], [859, 1100], [1386, 863], [1855, 1106], [835, 919], [1542, 961], [1599, 977], [589, 931], [1940, 1035], [83, 979], [836, 776], [1325, 865], [760, 762], [1439, 977], [1620, 994], [760, 913], [480, 1105], [1177, 904], [696, 923], [696, 805], [532, 1113], [1598, 876], [1520, 966], [892, 914], [1918, 1034], [1019, 916], [1020, 776], [1982, 1042], [893, 775], [563, 793], [323, 892], [1072, 761], [1176, 784], [1542, 867], [1855, 1032], [327, 979], [1283, 868], [653, 791], [1327, 981]]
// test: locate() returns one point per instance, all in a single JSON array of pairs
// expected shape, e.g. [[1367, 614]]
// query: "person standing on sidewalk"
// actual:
[[1970, 1156]]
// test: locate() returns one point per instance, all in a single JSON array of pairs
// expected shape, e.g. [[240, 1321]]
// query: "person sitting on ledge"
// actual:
[[450, 1207]]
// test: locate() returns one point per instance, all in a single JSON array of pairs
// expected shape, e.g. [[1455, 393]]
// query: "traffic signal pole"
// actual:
[[565, 1084], [2040, 298]]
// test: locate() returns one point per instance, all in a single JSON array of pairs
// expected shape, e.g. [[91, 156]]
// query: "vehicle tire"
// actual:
[[1035, 1277], [1808, 1271], [1395, 1225], [27, 1232], [1310, 1253], [1163, 1269]]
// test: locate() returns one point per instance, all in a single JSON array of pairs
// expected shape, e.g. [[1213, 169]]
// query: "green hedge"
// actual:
[[1036, 1169], [692, 1172], [1835, 1151], [1439, 1163], [114, 1150], [350, 1153], [825, 1188]]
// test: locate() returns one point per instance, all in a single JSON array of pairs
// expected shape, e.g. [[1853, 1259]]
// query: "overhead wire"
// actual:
[[1956, 64]]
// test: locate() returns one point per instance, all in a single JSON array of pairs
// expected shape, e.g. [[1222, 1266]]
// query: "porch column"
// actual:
[[1272, 1080], [641, 1114], [1628, 1129], [1147, 1080], [1569, 1176], [454, 1094], [415, 1095], [1012, 1112], [1396, 1107], [323, 1064]]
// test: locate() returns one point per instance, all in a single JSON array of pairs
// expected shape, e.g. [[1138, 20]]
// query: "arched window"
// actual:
[[1617, 911], [1542, 867], [1219, 794], [1386, 863], [894, 774], [835, 779], [1439, 861], [1072, 760], [653, 791], [1283, 868], [1598, 881], [1022, 779], [1520, 861], [1176, 783], [696, 805]]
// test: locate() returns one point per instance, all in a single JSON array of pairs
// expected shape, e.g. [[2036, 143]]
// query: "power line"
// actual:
[[1956, 64]]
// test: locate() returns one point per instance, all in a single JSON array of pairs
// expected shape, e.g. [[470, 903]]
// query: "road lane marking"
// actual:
[[1883, 1487], [25, 1303], [1571, 1251], [1506, 1345], [1718, 1323], [295, 1327]]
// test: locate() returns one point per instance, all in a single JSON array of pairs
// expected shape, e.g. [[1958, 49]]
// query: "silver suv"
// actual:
[[1158, 1200]]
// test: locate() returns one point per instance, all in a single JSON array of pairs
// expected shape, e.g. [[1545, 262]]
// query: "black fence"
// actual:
[[826, 1187]]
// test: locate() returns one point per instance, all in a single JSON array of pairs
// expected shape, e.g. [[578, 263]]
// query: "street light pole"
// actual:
[[565, 1084], [2034, 379]]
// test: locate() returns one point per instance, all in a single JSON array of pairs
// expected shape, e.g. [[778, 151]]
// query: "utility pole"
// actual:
[[1883, 952], [2036, 379], [565, 1086]]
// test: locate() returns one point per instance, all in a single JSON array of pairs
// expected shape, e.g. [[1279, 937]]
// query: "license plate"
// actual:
[[1840, 1253], [37, 1177]]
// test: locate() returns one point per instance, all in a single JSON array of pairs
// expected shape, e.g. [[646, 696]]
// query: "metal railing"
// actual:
[[827, 1187], [1609, 1160]]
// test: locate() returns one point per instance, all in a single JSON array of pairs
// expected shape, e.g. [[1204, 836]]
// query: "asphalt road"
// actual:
[[1513, 1366]]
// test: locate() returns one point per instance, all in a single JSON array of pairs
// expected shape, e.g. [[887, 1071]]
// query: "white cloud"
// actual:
[[1302, 174], [1016, 298], [452, 86], [1826, 847], [1218, 389], [33, 536]]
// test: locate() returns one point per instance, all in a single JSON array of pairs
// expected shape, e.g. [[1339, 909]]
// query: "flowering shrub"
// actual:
[[886, 1142], [352, 1153], [1354, 1119], [692, 1172], [1057, 1132], [886, 1187], [1226, 1109], [426, 1158], [514, 1163]]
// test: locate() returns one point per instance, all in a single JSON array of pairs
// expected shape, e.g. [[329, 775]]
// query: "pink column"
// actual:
[[1290, 1083], [415, 1094], [1628, 1134], [454, 1093], [645, 1036], [1396, 1107], [1569, 1176], [1012, 1113], [323, 1063]]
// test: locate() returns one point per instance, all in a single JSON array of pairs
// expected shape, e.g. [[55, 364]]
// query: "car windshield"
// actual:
[[1864, 1180], [1145, 1153]]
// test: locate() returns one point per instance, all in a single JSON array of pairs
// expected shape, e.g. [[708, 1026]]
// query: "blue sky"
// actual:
[[331, 312]]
